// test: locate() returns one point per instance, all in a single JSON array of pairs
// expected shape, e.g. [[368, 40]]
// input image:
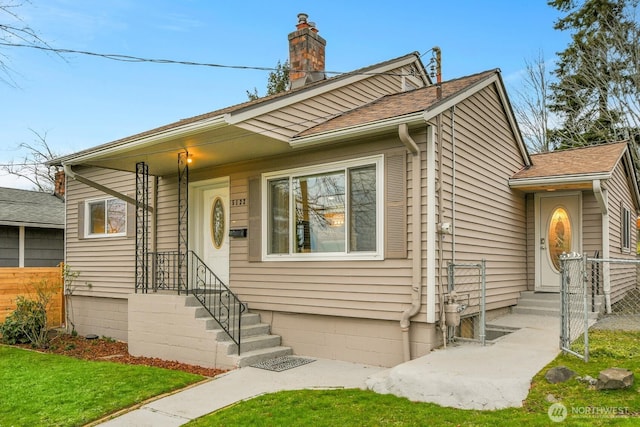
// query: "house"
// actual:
[[31, 228], [319, 220]]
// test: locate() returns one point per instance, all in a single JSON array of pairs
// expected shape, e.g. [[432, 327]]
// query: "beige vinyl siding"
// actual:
[[622, 276], [490, 218], [365, 289], [288, 121], [106, 264], [167, 214], [531, 242], [591, 224]]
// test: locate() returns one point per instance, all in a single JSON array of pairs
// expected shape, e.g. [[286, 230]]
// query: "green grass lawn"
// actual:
[[366, 408], [49, 390]]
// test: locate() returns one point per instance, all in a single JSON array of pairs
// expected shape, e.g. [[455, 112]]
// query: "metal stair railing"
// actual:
[[220, 302]]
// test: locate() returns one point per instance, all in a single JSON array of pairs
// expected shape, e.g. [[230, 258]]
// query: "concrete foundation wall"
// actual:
[[101, 316], [163, 326], [373, 342]]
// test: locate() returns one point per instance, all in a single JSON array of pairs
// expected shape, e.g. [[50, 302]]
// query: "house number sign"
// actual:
[[217, 223]]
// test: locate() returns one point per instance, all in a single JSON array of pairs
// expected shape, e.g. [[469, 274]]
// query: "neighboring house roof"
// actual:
[[577, 168], [30, 209]]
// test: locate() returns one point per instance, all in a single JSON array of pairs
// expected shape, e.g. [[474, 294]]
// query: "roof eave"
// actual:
[[31, 224], [146, 140], [360, 130], [525, 183]]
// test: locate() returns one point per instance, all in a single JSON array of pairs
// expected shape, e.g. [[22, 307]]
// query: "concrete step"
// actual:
[[246, 331], [532, 302], [252, 357], [247, 319], [258, 342], [537, 311], [546, 304]]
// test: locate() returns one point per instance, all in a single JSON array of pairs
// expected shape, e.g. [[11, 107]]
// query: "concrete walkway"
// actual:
[[465, 376], [243, 384], [470, 376]]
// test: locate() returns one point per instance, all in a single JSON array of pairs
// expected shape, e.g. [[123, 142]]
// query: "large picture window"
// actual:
[[106, 217], [325, 212]]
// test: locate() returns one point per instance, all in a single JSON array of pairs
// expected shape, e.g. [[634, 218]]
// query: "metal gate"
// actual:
[[597, 293], [467, 286], [574, 313]]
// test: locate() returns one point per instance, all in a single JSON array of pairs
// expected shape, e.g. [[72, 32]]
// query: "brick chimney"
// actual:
[[306, 53], [59, 186]]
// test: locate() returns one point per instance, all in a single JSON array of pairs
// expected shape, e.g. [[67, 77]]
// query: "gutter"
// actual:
[[140, 142], [523, 183], [354, 131], [71, 174], [601, 197]]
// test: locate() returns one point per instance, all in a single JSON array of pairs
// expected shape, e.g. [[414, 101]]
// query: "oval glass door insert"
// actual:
[[559, 238], [217, 223]]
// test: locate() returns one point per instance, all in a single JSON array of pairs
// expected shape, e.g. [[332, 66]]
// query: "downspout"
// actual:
[[601, 197], [453, 185], [416, 240], [440, 236]]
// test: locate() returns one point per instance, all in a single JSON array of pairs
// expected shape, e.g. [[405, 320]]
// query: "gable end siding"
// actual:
[[490, 217]]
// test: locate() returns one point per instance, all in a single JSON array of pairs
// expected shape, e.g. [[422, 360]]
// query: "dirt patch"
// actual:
[[106, 349]]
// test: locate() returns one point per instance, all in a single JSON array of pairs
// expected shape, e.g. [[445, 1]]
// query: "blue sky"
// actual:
[[82, 101]]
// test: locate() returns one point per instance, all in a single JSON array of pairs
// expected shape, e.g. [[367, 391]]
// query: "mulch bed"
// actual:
[[106, 349]]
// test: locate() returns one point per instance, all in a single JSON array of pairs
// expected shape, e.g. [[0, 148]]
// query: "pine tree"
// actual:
[[593, 71], [278, 81]]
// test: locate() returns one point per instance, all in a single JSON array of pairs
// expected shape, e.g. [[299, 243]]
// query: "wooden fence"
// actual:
[[24, 281]]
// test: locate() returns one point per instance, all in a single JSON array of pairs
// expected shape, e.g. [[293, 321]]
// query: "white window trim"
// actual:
[[378, 160], [87, 219], [625, 220]]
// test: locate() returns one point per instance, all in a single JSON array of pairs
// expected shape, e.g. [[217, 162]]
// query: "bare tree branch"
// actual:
[[32, 166]]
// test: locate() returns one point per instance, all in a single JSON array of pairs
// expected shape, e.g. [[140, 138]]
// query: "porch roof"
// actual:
[[576, 169], [221, 136]]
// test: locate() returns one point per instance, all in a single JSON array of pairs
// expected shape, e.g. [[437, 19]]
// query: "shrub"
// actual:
[[27, 324]]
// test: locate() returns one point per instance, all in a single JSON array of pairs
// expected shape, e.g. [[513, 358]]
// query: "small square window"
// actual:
[[107, 217]]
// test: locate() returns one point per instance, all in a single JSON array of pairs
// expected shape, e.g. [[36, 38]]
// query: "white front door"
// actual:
[[558, 231], [211, 231]]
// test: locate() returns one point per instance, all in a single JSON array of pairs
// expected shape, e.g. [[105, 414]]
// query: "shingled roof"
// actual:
[[399, 104], [576, 161], [30, 208]]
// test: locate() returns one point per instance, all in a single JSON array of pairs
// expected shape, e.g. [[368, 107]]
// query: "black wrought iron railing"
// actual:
[[168, 273]]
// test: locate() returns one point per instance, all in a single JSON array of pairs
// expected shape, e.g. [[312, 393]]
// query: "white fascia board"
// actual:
[[554, 180], [449, 102], [357, 131], [249, 113], [176, 132]]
